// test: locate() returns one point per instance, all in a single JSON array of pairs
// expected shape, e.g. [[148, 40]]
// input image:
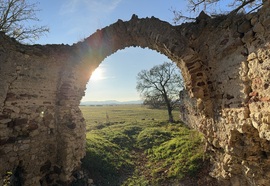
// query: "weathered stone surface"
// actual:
[[244, 26], [238, 132], [258, 28], [225, 65]]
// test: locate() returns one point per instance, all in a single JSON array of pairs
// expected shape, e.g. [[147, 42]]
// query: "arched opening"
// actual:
[[115, 78], [117, 136]]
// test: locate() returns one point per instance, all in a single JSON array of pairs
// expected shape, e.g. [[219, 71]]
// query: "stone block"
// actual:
[[244, 27], [251, 56], [258, 28], [266, 22], [248, 37], [266, 118], [24, 147], [4, 121]]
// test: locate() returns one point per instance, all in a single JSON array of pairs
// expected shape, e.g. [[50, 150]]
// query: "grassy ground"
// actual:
[[95, 116], [131, 145]]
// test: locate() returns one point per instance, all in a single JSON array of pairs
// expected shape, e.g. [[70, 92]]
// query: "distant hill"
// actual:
[[111, 102]]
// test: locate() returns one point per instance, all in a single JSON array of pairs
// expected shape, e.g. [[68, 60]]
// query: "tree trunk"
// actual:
[[171, 120], [169, 107]]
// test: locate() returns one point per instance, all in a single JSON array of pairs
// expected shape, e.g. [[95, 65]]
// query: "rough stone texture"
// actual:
[[234, 114], [225, 64]]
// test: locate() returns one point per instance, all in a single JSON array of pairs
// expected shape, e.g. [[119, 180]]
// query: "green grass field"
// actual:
[[132, 145], [98, 115]]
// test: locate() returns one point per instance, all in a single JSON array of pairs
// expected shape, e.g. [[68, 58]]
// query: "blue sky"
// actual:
[[73, 20]]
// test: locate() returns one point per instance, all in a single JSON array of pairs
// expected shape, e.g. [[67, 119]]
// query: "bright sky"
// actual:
[[73, 20]]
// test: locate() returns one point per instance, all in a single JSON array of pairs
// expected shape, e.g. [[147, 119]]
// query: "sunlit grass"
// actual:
[[130, 145]]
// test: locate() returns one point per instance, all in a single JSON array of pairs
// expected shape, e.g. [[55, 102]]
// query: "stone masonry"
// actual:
[[225, 62]]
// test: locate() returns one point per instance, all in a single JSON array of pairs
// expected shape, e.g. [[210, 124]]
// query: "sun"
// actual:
[[97, 74]]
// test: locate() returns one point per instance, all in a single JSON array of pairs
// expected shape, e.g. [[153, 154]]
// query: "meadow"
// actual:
[[132, 145], [102, 114]]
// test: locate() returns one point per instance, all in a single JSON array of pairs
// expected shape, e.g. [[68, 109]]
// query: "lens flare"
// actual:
[[97, 75]]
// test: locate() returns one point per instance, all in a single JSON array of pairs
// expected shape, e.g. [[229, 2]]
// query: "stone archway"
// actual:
[[43, 86], [136, 32], [43, 131]]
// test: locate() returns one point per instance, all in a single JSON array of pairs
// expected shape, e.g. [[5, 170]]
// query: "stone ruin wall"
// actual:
[[225, 64], [237, 63], [37, 134]]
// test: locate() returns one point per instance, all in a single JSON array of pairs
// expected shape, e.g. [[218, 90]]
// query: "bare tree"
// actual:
[[214, 7], [15, 20], [161, 85]]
